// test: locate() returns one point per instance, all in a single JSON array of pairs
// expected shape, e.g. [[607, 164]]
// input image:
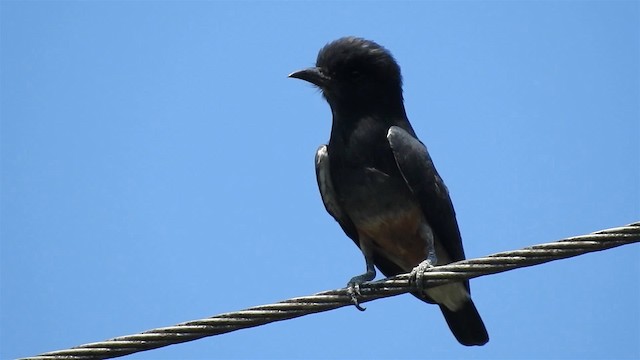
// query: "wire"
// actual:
[[333, 299]]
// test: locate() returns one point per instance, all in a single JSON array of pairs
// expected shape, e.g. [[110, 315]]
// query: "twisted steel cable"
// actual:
[[333, 299]]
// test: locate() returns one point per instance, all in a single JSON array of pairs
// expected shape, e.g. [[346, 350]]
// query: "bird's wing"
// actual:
[[415, 164], [329, 196]]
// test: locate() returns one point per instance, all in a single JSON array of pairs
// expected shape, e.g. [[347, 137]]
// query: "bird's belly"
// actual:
[[396, 236], [388, 218]]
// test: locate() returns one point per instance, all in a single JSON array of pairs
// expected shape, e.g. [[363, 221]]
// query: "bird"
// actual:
[[378, 181]]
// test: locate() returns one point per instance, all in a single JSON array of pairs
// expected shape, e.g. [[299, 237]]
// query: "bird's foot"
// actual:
[[353, 287], [417, 274]]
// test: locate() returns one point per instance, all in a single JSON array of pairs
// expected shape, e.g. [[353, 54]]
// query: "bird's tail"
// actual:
[[466, 324]]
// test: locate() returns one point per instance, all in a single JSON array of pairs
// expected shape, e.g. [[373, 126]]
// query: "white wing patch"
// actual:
[[325, 183]]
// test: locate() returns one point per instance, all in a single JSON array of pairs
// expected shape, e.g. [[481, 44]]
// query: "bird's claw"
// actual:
[[353, 289], [353, 286], [417, 274]]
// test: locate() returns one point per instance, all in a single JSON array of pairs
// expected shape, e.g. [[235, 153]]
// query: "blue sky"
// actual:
[[157, 167]]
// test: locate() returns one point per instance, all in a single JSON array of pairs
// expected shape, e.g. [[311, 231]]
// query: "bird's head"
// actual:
[[354, 73]]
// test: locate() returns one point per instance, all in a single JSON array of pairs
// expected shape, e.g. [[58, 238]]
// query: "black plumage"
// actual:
[[379, 182]]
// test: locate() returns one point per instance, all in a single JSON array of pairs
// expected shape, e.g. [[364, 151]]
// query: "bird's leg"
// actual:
[[417, 273], [353, 286]]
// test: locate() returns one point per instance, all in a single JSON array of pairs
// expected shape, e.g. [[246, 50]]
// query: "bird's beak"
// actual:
[[314, 75]]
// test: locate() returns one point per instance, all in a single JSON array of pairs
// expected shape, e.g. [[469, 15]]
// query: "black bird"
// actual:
[[378, 181]]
